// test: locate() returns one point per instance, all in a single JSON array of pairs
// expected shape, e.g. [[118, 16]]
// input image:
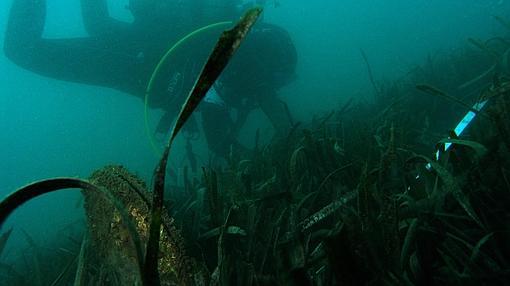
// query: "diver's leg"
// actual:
[[83, 60], [218, 129], [277, 113], [24, 28]]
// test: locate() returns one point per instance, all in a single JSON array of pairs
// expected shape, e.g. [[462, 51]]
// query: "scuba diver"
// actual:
[[122, 56]]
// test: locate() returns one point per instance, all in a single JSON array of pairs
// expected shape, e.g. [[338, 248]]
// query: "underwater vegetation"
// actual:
[[387, 192]]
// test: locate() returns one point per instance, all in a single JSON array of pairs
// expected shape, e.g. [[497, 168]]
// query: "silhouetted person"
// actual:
[[122, 56]]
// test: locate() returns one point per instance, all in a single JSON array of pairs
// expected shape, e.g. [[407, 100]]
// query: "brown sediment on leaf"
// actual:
[[110, 239]]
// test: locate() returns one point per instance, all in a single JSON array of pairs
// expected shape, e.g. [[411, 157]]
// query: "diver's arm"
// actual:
[[83, 60], [97, 20]]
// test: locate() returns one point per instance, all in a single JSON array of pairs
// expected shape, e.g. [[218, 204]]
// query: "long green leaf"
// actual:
[[437, 92], [225, 48], [483, 47], [79, 277], [64, 272], [229, 230], [36, 258], [502, 21], [477, 147], [451, 186], [3, 240], [411, 234], [12, 273], [449, 264], [476, 250]]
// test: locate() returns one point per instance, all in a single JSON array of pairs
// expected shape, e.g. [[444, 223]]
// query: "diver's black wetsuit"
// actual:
[[123, 55]]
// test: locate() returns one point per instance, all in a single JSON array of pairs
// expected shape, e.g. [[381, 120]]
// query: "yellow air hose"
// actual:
[[162, 61]]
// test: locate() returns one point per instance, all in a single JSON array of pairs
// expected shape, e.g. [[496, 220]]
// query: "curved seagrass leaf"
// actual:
[[479, 149], [481, 242], [229, 230], [79, 277], [451, 186], [370, 74], [450, 264], [405, 254], [414, 265], [36, 258], [225, 48], [298, 163], [311, 196], [330, 175], [437, 92], [483, 47], [501, 89], [499, 40], [33, 190], [454, 249], [3, 240], [304, 200], [64, 271], [476, 250], [13, 275], [478, 78], [502, 21]]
